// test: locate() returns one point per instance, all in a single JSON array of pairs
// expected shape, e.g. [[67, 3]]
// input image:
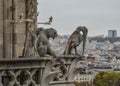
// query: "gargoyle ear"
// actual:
[[51, 28], [86, 30], [84, 27]]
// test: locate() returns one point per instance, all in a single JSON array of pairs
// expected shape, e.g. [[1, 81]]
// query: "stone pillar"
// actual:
[[19, 28], [31, 13], [12, 31], [1, 29], [28, 9], [7, 29]]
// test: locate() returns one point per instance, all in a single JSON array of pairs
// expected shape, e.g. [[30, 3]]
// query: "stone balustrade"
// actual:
[[22, 71], [84, 80], [38, 71]]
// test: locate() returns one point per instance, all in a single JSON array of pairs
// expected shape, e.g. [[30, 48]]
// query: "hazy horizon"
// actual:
[[98, 16]]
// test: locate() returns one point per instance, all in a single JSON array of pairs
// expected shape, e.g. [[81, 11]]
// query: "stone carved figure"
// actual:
[[30, 36], [27, 51], [29, 46], [38, 42], [75, 39], [42, 45], [57, 71], [59, 64]]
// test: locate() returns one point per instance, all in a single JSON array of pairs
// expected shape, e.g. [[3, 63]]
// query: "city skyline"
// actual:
[[98, 16]]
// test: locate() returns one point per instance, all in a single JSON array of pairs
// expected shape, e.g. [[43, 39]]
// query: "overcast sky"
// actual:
[[97, 15]]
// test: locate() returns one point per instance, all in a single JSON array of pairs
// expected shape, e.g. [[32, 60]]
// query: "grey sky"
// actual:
[[97, 15]]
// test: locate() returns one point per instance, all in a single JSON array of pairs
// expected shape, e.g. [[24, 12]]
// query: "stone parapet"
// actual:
[[62, 83], [22, 71], [38, 71]]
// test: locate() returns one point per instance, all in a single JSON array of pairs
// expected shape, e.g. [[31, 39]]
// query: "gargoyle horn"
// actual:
[[85, 32]]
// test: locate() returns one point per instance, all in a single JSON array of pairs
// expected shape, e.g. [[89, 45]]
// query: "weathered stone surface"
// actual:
[[21, 28], [15, 32], [8, 51], [44, 69], [1, 50], [28, 70], [20, 38], [1, 3], [1, 11], [1, 39], [8, 38], [1, 26], [62, 83]]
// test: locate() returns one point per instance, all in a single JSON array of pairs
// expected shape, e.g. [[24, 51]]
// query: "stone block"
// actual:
[[8, 51], [1, 38], [20, 39], [8, 38], [21, 4], [1, 51], [20, 43], [1, 3], [21, 28], [1, 12], [8, 27], [62, 83], [19, 50], [1, 26]]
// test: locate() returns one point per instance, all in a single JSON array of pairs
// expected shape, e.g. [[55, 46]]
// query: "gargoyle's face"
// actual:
[[83, 29], [53, 33]]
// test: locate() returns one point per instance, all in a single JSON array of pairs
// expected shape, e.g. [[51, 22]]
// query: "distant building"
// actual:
[[112, 33], [99, 36]]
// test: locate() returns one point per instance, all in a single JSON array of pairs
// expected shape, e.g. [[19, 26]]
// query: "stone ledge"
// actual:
[[32, 58], [23, 63], [62, 83], [68, 56]]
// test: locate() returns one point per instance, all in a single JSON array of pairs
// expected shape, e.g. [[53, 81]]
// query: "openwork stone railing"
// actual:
[[38, 71], [84, 80], [67, 79], [22, 72]]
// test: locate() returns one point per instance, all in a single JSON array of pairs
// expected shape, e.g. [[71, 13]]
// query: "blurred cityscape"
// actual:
[[101, 53]]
